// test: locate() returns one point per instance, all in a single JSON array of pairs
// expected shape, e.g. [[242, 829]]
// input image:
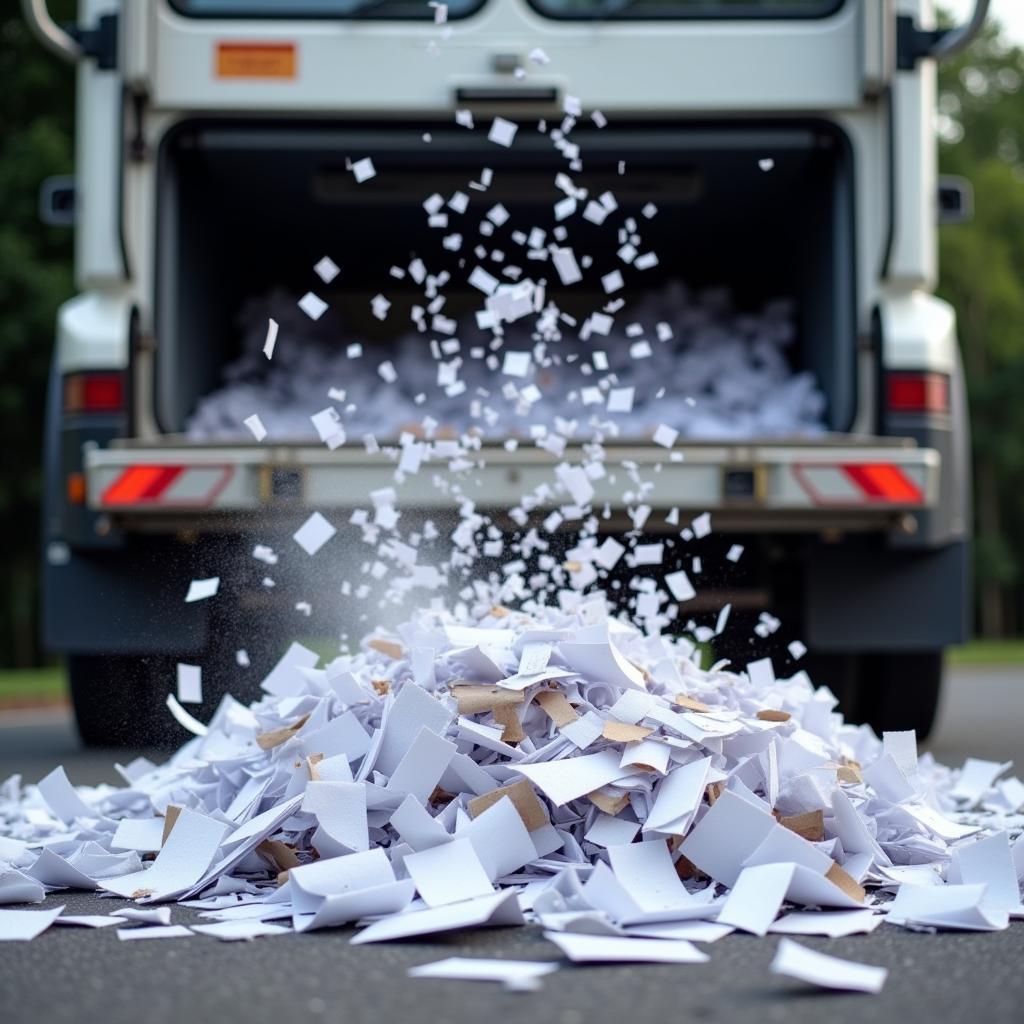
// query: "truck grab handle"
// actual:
[[958, 39], [56, 39], [913, 43]]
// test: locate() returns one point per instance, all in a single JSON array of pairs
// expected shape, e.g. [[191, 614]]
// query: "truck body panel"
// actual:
[[190, 166]]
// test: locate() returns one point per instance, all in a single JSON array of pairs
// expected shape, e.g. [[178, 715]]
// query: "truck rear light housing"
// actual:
[[94, 391], [917, 392]]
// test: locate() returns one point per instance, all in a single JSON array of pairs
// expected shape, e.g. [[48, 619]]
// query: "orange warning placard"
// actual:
[[256, 60]]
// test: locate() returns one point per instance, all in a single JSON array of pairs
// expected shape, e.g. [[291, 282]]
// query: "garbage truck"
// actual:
[[790, 148]]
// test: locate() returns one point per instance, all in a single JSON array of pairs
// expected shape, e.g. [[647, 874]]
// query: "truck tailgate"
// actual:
[[846, 480]]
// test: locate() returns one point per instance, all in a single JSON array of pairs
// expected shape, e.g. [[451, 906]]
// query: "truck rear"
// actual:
[[786, 149]]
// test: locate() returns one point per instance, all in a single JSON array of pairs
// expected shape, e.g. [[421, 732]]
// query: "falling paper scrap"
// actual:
[[373, 781]]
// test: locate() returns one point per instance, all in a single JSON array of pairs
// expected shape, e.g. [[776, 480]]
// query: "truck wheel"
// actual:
[[109, 694], [118, 701], [901, 691]]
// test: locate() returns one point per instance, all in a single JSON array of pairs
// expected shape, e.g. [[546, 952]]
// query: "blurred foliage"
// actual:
[[36, 139], [981, 128], [981, 106]]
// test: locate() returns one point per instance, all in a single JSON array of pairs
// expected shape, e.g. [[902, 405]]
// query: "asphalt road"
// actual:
[[68, 975]]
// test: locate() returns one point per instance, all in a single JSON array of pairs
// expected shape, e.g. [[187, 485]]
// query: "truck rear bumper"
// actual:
[[842, 482]]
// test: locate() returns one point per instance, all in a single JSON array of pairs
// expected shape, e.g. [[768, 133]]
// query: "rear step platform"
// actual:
[[842, 480]]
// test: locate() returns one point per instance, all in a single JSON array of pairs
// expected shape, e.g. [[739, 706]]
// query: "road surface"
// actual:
[[71, 977]]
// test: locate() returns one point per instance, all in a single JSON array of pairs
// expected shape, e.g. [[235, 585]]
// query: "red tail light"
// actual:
[[918, 392], [93, 392]]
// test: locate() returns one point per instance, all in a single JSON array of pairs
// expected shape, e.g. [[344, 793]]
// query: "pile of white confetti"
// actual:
[[731, 369], [544, 765]]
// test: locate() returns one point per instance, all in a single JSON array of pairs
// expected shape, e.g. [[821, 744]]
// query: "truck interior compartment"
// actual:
[[245, 210]]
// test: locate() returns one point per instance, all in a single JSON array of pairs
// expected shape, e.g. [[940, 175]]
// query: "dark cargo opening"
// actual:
[[246, 208]]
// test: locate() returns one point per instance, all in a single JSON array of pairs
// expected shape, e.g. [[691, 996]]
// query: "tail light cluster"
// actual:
[[94, 392], [909, 391], [89, 392]]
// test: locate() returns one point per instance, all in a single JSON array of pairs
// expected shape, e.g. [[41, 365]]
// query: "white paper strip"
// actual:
[[500, 908], [25, 925], [796, 961], [609, 949]]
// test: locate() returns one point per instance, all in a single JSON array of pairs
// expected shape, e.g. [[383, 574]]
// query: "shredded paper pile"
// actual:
[[546, 748], [542, 765], [733, 368]]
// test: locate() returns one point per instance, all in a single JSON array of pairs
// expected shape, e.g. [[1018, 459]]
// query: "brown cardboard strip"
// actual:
[[607, 803], [837, 876], [505, 715], [391, 648], [772, 715], [170, 817], [690, 703], [476, 698], [620, 732], [274, 738], [811, 825], [556, 707], [282, 855], [523, 798]]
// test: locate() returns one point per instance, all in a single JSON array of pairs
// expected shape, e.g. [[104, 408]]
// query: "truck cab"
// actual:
[[789, 149]]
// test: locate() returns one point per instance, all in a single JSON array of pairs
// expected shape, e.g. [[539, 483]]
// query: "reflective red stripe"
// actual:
[[860, 477], [160, 483], [155, 485], [884, 482], [131, 485], [856, 484]]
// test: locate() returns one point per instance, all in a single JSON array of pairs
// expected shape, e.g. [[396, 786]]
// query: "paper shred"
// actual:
[[582, 948], [201, 590], [500, 908], [312, 305], [620, 732], [25, 925], [523, 798], [796, 961], [513, 974], [314, 533], [171, 931], [665, 436], [239, 931], [556, 707], [326, 269], [183, 718], [502, 132], [255, 424], [271, 339], [190, 684], [363, 170], [680, 586]]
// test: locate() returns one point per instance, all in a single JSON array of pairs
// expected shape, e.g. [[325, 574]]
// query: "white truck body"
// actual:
[[892, 480]]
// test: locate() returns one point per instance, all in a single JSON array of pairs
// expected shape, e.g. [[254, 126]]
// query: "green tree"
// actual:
[[981, 120], [36, 132]]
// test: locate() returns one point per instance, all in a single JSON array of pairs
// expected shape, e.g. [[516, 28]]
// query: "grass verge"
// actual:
[[32, 687], [988, 652]]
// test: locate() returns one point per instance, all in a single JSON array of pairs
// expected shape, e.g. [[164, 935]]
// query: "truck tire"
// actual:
[[120, 700], [112, 696], [901, 691], [890, 692]]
